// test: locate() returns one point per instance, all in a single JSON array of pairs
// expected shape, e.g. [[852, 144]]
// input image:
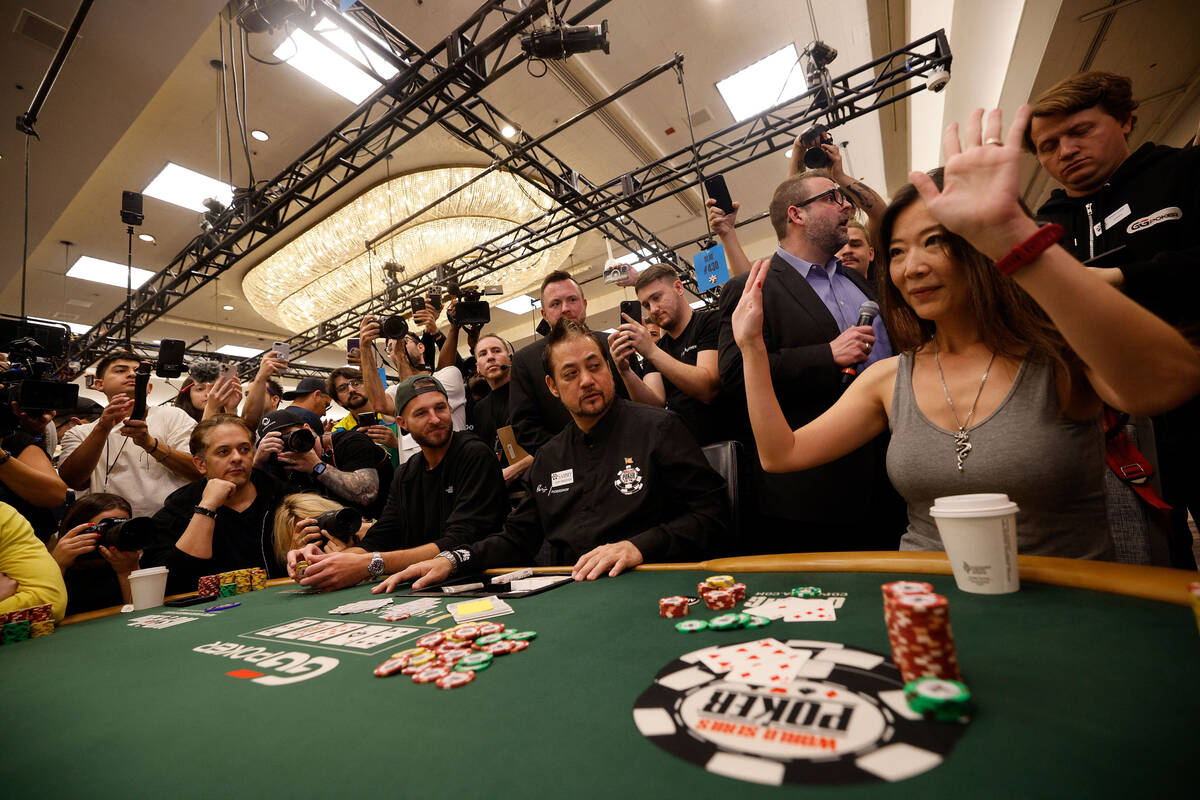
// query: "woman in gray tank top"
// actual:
[[1000, 380]]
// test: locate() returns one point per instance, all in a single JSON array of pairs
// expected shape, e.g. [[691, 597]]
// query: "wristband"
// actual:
[[1030, 249], [208, 512], [4, 458]]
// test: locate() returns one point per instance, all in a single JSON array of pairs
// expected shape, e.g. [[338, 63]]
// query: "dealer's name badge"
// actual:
[[629, 478], [562, 478]]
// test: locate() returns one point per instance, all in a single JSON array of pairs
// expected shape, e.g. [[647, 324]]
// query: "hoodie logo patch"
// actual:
[[1150, 220]]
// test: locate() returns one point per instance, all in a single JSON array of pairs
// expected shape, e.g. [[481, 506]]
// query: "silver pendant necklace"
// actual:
[[962, 439]]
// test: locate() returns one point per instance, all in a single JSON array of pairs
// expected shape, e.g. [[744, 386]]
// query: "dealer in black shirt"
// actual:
[[223, 521], [625, 484], [448, 495], [357, 475], [681, 369]]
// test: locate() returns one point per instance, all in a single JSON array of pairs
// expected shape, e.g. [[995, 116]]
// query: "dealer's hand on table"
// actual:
[[435, 570], [329, 571], [73, 544], [309, 553], [614, 558]]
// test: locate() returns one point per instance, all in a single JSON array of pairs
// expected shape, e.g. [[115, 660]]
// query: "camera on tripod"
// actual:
[[28, 380]]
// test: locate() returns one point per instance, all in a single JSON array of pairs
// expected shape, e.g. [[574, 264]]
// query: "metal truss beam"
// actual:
[[846, 97]]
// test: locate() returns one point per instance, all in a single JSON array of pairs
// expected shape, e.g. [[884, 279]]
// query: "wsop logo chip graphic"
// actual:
[[842, 719], [629, 478]]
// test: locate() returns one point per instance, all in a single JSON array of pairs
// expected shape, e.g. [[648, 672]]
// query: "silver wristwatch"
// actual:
[[449, 556], [375, 568]]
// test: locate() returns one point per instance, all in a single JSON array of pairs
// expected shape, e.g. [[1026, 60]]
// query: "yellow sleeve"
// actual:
[[26, 560]]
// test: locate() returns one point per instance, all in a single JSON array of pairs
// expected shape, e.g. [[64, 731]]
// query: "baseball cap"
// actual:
[[417, 384], [306, 386], [277, 421]]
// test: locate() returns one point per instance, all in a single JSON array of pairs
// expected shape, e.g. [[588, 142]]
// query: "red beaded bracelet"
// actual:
[[1030, 249]]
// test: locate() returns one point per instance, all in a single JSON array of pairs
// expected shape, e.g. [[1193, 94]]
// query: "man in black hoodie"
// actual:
[[222, 521], [1130, 216]]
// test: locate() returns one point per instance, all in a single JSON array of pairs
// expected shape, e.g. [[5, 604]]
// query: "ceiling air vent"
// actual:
[[701, 116], [39, 29]]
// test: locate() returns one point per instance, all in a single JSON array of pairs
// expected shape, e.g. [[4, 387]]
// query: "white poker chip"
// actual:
[[843, 719]]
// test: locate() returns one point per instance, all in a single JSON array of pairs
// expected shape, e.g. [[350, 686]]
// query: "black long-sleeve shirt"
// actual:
[[637, 475], [241, 539], [457, 502]]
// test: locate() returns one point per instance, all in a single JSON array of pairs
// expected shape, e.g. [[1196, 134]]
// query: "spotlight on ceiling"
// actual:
[[562, 41], [260, 16], [146, 237], [260, 135]]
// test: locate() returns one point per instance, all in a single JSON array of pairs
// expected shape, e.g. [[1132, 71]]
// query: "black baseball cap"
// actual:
[[417, 384], [305, 386], [278, 420]]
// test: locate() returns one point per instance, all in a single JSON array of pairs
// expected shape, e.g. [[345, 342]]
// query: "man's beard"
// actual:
[[425, 441], [353, 406], [826, 234]]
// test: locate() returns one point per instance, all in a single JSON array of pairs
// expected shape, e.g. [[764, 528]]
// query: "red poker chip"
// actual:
[[455, 679], [488, 628], [390, 667], [411, 670], [518, 645], [452, 656], [431, 640], [466, 632], [431, 674], [501, 648]]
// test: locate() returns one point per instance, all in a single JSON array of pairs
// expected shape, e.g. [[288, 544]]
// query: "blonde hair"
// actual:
[[297, 507]]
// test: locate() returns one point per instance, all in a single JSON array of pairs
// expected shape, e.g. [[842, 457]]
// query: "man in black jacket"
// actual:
[[449, 494], [535, 414], [624, 484], [224, 520], [811, 305], [1130, 216]]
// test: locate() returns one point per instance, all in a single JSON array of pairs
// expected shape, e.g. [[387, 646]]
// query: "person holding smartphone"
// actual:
[[142, 460]]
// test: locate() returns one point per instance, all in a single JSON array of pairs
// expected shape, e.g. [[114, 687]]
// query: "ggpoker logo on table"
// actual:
[[842, 719]]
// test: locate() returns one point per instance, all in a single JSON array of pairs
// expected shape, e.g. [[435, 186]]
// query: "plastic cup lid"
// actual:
[[137, 573], [972, 505]]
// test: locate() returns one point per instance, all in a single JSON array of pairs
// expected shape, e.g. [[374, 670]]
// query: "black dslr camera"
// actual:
[[814, 156], [30, 346], [393, 326], [342, 523], [126, 535], [300, 440]]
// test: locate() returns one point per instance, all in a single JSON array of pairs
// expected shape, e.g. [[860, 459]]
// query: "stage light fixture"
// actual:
[[562, 41]]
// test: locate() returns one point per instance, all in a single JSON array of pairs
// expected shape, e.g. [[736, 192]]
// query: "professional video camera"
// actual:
[[27, 380], [127, 535]]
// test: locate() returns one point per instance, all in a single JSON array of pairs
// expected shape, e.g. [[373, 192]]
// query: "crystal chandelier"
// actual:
[[326, 269]]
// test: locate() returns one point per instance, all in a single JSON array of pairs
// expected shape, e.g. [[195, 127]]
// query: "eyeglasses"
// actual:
[[834, 195], [357, 384]]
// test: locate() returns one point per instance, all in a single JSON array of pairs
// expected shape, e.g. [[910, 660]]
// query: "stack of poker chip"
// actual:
[[227, 584], [893, 590], [26, 623], [922, 641], [453, 657], [258, 579], [676, 606], [938, 699], [301, 566], [209, 586], [241, 579], [1194, 596], [720, 600]]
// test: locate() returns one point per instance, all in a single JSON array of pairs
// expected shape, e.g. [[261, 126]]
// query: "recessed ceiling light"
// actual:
[[183, 187], [508, 131], [521, 304], [146, 237], [260, 135], [788, 154], [111, 273], [227, 308], [331, 59], [240, 352], [765, 83]]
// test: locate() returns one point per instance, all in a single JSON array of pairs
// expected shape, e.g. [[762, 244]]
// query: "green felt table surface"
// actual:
[[1079, 693]]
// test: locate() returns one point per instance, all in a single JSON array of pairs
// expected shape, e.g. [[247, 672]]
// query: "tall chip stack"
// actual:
[[258, 579], [922, 641], [26, 623]]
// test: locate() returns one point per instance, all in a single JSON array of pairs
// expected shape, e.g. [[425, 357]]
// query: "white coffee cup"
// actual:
[[148, 587], [979, 532]]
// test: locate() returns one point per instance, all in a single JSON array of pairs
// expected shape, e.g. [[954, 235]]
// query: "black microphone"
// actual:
[[867, 313]]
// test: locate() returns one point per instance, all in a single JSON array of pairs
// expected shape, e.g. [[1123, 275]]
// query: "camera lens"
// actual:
[[126, 535], [342, 522], [299, 441], [393, 327]]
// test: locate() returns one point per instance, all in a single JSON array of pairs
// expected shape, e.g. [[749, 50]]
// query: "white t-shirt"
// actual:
[[456, 392], [129, 471]]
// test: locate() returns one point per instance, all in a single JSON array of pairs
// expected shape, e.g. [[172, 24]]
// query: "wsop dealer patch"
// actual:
[[842, 719]]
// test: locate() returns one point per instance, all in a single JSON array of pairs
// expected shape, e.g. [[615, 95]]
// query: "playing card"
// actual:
[[804, 610]]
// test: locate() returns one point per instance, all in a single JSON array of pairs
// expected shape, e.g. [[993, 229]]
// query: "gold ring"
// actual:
[[994, 140]]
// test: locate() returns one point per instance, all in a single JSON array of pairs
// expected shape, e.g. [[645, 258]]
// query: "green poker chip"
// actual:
[[491, 638], [474, 662], [806, 591], [756, 622], [743, 619], [521, 636], [691, 626], [724, 622], [938, 699]]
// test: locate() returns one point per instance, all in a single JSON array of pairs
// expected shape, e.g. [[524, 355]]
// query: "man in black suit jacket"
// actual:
[[535, 414], [811, 306]]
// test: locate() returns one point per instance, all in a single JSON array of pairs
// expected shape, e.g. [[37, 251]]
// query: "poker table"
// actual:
[[1086, 683]]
